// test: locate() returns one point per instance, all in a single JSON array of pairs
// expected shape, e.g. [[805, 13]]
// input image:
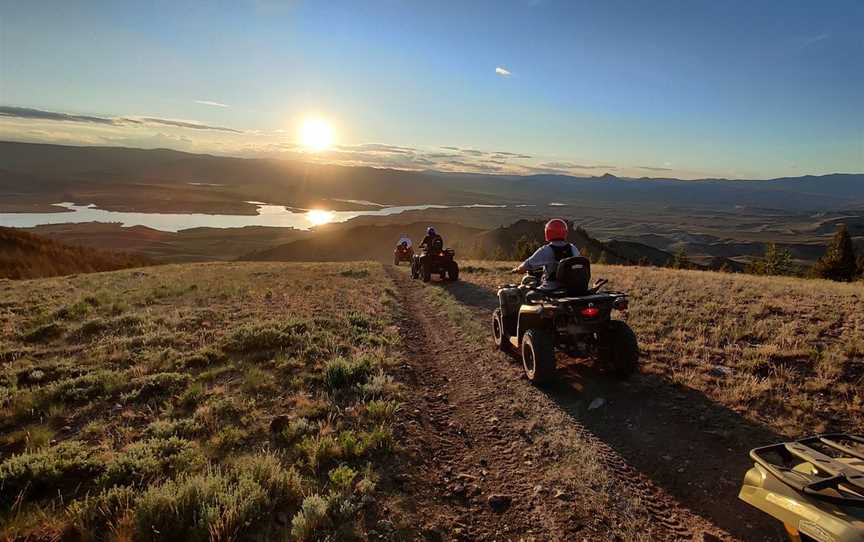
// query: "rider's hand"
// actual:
[[515, 270]]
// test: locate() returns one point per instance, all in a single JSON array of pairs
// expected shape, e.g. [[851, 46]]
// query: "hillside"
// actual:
[[338, 243], [25, 256]]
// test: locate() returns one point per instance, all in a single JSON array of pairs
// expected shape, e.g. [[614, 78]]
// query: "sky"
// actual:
[[668, 88]]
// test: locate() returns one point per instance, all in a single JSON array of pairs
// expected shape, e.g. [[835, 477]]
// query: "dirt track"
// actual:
[[477, 430]]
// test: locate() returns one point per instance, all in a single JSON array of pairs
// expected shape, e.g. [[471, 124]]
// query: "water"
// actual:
[[268, 215]]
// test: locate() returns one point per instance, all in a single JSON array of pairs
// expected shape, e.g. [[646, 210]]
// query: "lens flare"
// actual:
[[319, 216]]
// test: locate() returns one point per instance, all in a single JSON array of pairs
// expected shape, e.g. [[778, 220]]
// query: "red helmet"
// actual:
[[556, 230]]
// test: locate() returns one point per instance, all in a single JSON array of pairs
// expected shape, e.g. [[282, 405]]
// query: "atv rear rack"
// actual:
[[837, 478]]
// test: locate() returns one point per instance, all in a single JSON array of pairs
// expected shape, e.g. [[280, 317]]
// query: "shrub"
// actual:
[[184, 428], [98, 517], [255, 338], [340, 373], [382, 411], [83, 388], [151, 460], [311, 518], [379, 385], [66, 468], [158, 386], [295, 430], [44, 332], [204, 357]]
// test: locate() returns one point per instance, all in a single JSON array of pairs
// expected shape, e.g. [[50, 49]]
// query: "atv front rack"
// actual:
[[834, 466]]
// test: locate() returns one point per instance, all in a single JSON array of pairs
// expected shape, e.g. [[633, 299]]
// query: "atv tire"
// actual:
[[538, 355], [396, 260], [621, 353], [499, 333], [426, 271], [453, 272]]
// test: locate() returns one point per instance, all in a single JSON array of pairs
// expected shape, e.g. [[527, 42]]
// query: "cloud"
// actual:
[[38, 114], [378, 147], [503, 72], [571, 165], [653, 168], [208, 102]]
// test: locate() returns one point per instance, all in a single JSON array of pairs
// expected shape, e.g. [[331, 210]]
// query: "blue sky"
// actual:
[[680, 88]]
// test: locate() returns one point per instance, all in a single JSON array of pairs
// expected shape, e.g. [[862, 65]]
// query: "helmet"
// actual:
[[430, 231], [556, 230]]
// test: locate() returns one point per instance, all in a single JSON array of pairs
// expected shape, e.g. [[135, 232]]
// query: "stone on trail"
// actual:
[[597, 403], [499, 503]]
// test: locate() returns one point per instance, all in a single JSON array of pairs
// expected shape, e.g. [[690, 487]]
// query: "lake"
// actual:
[[268, 215]]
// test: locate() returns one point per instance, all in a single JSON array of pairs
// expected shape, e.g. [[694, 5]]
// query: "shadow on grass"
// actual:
[[691, 446]]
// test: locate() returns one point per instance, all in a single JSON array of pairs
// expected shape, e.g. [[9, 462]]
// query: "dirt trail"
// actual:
[[488, 450]]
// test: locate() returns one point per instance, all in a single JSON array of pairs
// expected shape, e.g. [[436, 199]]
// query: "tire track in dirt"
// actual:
[[478, 430]]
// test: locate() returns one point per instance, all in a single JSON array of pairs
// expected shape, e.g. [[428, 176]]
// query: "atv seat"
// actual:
[[574, 276]]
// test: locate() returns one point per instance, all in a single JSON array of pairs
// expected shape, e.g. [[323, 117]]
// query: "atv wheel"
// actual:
[[621, 353], [396, 260], [498, 333], [538, 355], [427, 271], [453, 272]]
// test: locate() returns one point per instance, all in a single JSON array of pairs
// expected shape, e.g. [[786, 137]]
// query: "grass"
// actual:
[[150, 406], [782, 351]]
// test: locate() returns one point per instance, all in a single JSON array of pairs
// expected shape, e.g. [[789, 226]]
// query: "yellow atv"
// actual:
[[814, 486]]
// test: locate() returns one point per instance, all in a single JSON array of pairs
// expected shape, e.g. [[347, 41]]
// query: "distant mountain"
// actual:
[[26, 256], [158, 180]]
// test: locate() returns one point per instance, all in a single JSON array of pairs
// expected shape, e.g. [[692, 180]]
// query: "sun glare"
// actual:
[[316, 134], [318, 217]]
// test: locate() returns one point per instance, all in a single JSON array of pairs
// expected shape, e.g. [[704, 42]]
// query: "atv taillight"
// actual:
[[590, 312], [441, 254]]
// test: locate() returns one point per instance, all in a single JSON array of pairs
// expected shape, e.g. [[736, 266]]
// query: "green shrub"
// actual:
[[98, 384], [295, 430], [158, 386], [68, 468], [318, 450], [183, 427], [98, 517], [255, 338], [379, 385], [151, 460], [311, 519], [340, 373], [44, 332], [382, 410], [342, 478], [204, 357]]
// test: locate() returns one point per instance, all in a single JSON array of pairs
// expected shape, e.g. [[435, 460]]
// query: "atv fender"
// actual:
[[530, 317]]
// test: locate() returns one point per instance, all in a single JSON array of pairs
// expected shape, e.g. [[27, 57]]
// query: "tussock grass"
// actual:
[[145, 405]]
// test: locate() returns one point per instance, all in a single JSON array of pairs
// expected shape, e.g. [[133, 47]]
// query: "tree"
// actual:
[[680, 260], [776, 261], [524, 248], [839, 262]]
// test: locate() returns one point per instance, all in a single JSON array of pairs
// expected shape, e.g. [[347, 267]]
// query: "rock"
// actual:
[[597, 403], [561, 496], [499, 503], [457, 491], [720, 370], [538, 489]]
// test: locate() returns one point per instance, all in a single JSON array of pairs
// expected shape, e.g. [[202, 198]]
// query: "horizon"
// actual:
[[681, 90]]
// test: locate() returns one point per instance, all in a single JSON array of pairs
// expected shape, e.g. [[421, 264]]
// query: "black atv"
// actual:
[[435, 260], [576, 319]]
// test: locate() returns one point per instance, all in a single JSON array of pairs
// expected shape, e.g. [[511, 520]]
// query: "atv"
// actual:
[[402, 253], [814, 486], [435, 260], [576, 319]]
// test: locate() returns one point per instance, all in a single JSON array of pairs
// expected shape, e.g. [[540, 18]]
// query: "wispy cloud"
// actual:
[[211, 103], [38, 114], [654, 168], [503, 72]]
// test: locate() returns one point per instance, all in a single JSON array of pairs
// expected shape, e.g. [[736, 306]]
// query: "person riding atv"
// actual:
[[561, 311], [548, 256], [434, 259], [403, 251]]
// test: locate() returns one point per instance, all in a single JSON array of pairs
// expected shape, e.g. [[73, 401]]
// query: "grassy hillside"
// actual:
[[24, 255], [785, 352], [161, 404]]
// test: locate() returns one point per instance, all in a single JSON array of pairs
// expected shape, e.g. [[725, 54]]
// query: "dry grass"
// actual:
[[194, 401], [783, 351]]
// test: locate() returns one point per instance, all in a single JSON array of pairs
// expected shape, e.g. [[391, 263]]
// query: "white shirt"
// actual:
[[545, 257]]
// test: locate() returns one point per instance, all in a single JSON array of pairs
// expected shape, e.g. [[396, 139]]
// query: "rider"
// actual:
[[431, 237], [404, 239], [548, 256]]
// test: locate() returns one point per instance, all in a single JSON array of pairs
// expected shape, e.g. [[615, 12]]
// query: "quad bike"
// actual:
[[575, 318], [435, 260], [402, 253], [813, 486]]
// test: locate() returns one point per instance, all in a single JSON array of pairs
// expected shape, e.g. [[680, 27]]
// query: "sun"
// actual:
[[316, 134], [319, 216]]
